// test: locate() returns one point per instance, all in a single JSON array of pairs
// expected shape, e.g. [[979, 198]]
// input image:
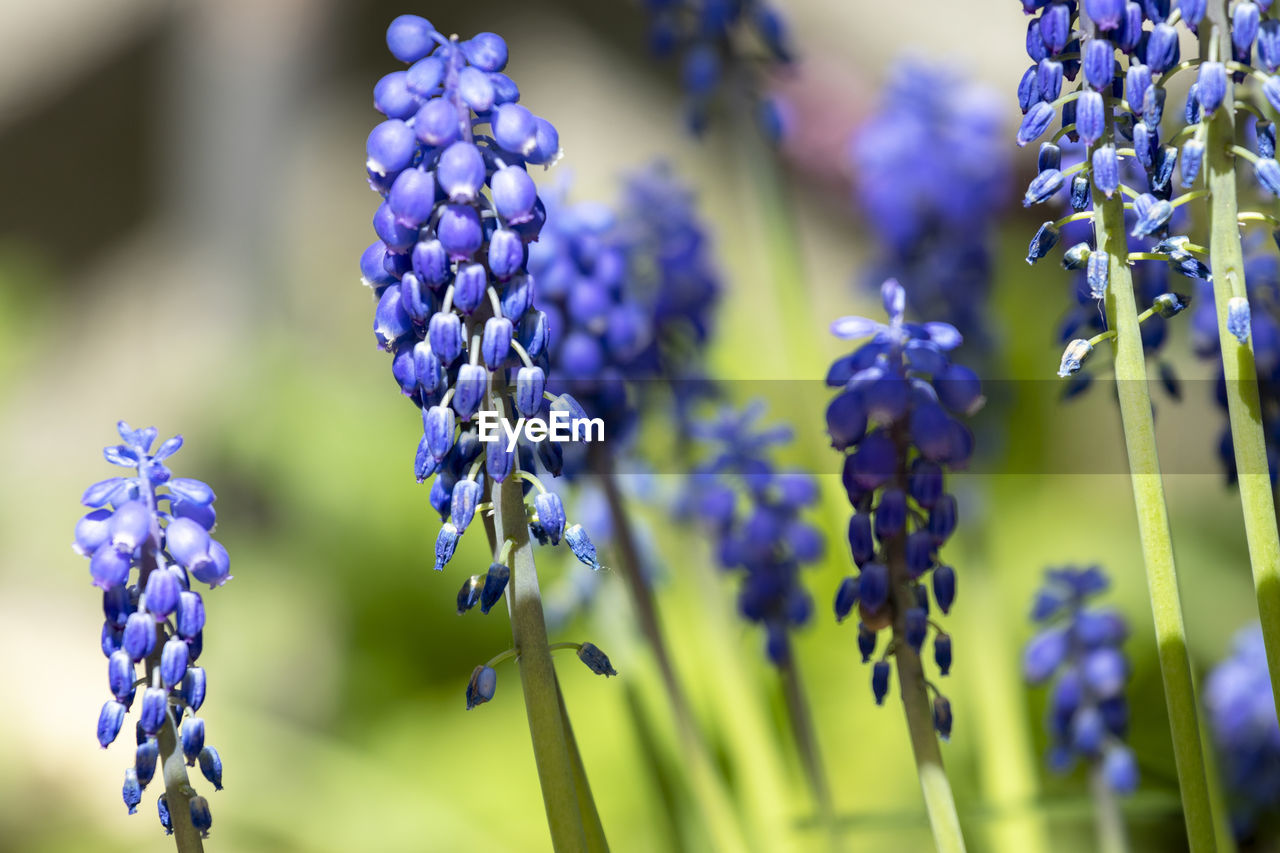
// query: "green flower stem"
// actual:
[[1226, 259], [591, 824], [1153, 519], [722, 822], [1112, 837], [803, 733], [551, 753], [938, 799], [173, 768]]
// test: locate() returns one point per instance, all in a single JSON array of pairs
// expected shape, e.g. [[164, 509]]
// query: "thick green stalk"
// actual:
[[537, 672], [591, 824], [1153, 519], [721, 821], [806, 739], [1112, 837], [938, 799], [1226, 259]]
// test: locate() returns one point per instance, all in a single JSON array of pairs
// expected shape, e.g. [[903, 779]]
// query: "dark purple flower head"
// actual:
[[898, 421], [147, 540], [1079, 650], [723, 45]]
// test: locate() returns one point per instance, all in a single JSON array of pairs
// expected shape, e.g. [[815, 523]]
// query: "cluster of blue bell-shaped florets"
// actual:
[[897, 420], [723, 44], [755, 512], [1081, 649], [450, 268], [147, 539]]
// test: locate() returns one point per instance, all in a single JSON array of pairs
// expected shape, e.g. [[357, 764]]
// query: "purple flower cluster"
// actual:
[[930, 180], [723, 44], [146, 537], [897, 422], [1080, 649], [628, 293], [755, 513], [1242, 717], [450, 266]]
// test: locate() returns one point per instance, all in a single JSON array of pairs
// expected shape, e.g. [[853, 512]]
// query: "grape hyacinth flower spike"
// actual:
[[1101, 71], [724, 47], [147, 540], [455, 309], [897, 421], [1242, 720], [1079, 649]]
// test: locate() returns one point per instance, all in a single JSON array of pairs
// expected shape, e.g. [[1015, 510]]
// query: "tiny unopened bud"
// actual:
[[1073, 357], [481, 687], [596, 660]]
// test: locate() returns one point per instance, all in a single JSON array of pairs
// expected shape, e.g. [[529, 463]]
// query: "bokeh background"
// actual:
[[184, 207]]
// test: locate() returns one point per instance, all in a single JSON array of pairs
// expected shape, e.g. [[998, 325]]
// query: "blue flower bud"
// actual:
[[436, 122], [920, 551], [1090, 117], [112, 638], [211, 766], [880, 680], [446, 543], [1044, 654], [866, 642], [1049, 79], [1146, 141], [551, 457], [514, 194], [846, 420], [548, 149], [846, 597], [173, 661], [1271, 90], [1192, 157], [120, 675], [193, 687], [1107, 14], [534, 333], [1267, 172], [1104, 672], [391, 147], [959, 389], [430, 263], [469, 594], [1035, 123], [110, 719], [144, 761], [514, 128], [495, 584], [481, 687], [1046, 237], [1192, 113], [1238, 318], [942, 716], [568, 403], [1153, 217], [944, 587], [596, 660], [1120, 769], [942, 653], [132, 790], [201, 819], [469, 288], [486, 51], [1099, 62], [130, 526], [861, 544], [531, 382], [581, 546], [550, 510], [1098, 274], [1050, 156], [459, 231], [499, 462], [1130, 30], [1043, 186], [1265, 138], [1169, 305], [92, 532], [1029, 89], [943, 519], [410, 37], [1245, 18], [1211, 86], [139, 635], [424, 76], [1137, 81], [506, 253], [438, 428], [192, 739], [1269, 44], [925, 482], [1073, 357], [1055, 27], [1079, 193], [916, 627], [154, 707], [496, 344], [1162, 48], [466, 494], [189, 618], [873, 586], [890, 514], [162, 808], [476, 89], [469, 390], [412, 197]]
